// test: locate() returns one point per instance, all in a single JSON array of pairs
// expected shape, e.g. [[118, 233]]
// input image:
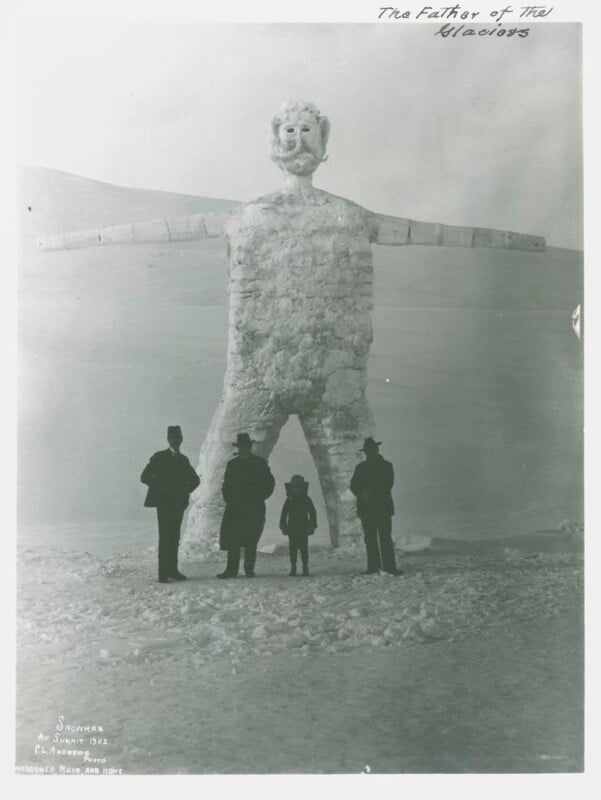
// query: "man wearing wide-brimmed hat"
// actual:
[[371, 484], [170, 478], [247, 483]]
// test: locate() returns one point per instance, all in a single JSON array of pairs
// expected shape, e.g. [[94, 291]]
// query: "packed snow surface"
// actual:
[[100, 639]]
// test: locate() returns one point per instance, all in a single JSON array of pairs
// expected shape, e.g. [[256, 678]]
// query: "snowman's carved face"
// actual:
[[298, 142]]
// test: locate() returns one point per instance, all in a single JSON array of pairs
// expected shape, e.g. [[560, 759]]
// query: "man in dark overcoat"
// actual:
[[247, 483], [371, 484], [170, 478]]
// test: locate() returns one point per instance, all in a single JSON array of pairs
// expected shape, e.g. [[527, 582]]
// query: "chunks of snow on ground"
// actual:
[[79, 606]]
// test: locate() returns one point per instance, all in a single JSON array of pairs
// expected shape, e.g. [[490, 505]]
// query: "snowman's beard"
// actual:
[[299, 161]]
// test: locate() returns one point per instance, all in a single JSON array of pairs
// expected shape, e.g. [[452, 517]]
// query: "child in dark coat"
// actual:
[[298, 521]]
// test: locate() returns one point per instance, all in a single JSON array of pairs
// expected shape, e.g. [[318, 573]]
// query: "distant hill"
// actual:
[[475, 375], [61, 201]]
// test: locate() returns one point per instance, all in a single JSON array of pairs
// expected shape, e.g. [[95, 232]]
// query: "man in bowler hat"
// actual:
[[371, 484], [170, 479], [247, 483]]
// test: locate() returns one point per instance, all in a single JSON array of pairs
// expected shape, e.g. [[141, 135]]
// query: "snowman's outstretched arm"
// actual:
[[164, 229], [399, 231]]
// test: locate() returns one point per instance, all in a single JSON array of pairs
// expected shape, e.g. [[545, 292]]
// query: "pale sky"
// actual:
[[475, 131]]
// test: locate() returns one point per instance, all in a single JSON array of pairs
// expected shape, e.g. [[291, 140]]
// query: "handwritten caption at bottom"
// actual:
[[71, 749]]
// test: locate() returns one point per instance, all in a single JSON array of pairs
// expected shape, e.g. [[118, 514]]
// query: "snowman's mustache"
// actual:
[[299, 149]]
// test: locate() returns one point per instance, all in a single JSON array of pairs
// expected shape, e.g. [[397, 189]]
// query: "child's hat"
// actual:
[[297, 480]]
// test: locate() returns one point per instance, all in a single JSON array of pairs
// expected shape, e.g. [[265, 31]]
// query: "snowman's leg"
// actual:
[[249, 412], [334, 436]]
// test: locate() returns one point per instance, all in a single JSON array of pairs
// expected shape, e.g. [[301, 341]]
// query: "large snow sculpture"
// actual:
[[300, 297]]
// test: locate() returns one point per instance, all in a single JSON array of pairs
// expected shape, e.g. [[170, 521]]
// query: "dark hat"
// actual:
[[369, 444], [243, 439], [174, 430], [297, 480]]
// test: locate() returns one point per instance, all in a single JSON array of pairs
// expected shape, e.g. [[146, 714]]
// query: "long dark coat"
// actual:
[[170, 479], [371, 484], [246, 485]]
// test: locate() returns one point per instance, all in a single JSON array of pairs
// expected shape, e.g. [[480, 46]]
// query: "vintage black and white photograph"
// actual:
[[300, 436]]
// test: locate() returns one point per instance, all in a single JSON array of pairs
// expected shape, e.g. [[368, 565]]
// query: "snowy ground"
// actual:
[[466, 663]]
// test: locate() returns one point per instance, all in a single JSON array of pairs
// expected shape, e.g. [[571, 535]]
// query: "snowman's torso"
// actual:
[[300, 290]]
